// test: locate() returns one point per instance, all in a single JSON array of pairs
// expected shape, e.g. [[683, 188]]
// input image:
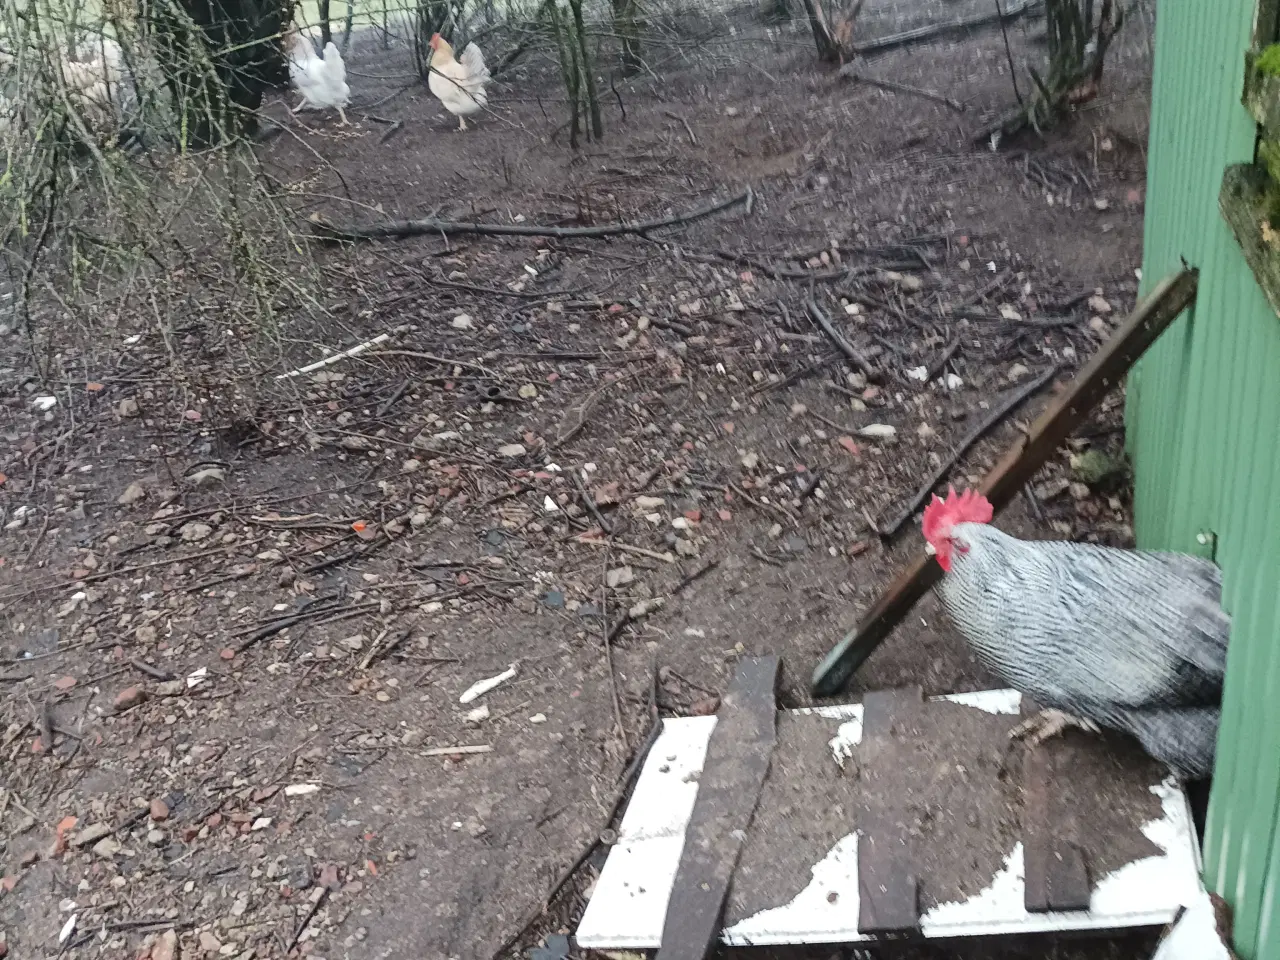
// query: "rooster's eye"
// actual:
[[962, 546]]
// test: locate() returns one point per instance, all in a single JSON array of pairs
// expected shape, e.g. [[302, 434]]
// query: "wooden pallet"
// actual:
[[909, 817]]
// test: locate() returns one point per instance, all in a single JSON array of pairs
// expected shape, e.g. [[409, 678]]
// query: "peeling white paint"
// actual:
[[629, 903]]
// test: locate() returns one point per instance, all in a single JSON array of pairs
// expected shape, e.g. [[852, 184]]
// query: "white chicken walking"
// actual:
[[458, 84], [322, 81]]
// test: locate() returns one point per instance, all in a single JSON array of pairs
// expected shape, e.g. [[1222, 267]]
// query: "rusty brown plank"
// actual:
[[1056, 875], [728, 789], [1106, 368], [888, 888]]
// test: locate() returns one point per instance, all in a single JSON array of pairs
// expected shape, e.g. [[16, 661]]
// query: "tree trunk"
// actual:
[[588, 74], [326, 27], [218, 57], [832, 22], [627, 25]]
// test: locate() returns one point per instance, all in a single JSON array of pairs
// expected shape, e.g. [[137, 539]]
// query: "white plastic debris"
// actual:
[[44, 404], [358, 349], [197, 677], [480, 688], [918, 373], [1009, 313], [301, 789], [479, 715], [68, 928], [954, 381], [550, 505], [878, 431], [1195, 936]]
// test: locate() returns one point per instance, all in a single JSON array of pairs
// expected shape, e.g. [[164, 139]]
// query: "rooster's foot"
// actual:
[[1049, 723]]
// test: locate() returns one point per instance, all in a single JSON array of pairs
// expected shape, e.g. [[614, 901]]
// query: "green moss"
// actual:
[[1268, 61]]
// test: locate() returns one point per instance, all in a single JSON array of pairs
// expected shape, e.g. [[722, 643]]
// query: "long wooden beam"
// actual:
[[1095, 380]]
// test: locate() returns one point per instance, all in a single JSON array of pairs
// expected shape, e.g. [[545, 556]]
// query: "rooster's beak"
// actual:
[[929, 549]]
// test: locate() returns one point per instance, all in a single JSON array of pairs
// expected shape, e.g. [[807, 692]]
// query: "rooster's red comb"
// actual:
[[967, 507]]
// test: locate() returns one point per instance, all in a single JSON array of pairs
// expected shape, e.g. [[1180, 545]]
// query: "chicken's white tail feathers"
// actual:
[[473, 62]]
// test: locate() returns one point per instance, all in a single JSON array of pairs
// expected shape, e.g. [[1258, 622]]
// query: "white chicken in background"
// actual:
[[458, 84], [322, 81]]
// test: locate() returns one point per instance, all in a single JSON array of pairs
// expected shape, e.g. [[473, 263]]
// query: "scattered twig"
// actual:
[[589, 502], [843, 345], [358, 349], [154, 672], [698, 574], [687, 129], [889, 529], [307, 917], [627, 548], [460, 751], [849, 72], [432, 227]]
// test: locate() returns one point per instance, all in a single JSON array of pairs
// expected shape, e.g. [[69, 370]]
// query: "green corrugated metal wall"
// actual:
[[1203, 418]]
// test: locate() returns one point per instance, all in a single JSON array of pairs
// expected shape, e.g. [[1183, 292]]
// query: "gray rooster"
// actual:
[[1124, 639]]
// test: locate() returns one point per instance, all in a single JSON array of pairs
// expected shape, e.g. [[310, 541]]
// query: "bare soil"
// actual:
[[414, 508]]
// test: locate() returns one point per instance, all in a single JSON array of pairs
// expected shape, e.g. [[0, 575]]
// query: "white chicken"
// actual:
[[458, 84], [322, 81]]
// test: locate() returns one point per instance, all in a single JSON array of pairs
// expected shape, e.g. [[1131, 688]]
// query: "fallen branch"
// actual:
[[1098, 378], [432, 227], [934, 30], [889, 529], [849, 73]]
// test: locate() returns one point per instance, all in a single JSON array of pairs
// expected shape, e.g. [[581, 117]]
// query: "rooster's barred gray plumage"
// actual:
[[1131, 640]]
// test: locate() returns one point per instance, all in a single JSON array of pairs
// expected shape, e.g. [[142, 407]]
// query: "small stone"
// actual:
[[1079, 491], [194, 531], [619, 576], [1099, 304], [132, 494], [649, 503], [209, 943], [410, 466], [128, 407], [512, 450], [155, 838], [106, 848], [128, 698], [751, 461], [686, 548], [462, 322], [878, 431], [158, 810], [208, 477], [166, 947], [528, 391], [1100, 326], [1018, 371]]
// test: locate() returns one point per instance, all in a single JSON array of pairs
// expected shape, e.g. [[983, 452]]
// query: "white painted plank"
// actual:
[[628, 905]]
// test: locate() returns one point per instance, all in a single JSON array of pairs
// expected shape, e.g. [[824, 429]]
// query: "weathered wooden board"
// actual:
[[729, 787], [960, 789], [1056, 875], [886, 864]]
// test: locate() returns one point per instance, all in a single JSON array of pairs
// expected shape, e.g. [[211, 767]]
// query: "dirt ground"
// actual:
[[251, 677]]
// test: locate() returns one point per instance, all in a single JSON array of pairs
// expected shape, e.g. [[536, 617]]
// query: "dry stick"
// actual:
[[841, 343], [849, 73], [606, 636], [307, 917], [889, 529], [589, 502], [1020, 462], [432, 227], [932, 31]]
